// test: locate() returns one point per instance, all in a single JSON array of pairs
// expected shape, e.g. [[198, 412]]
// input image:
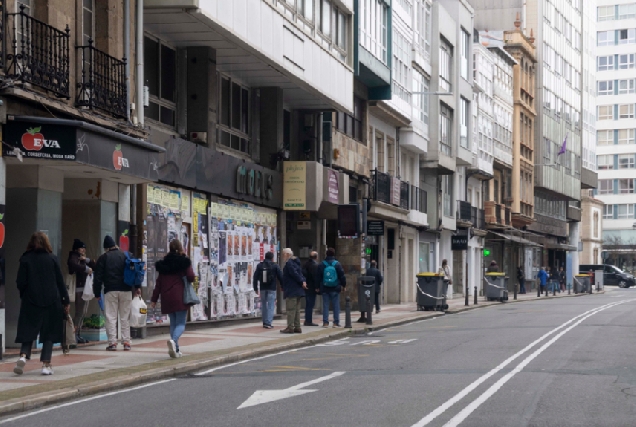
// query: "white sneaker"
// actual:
[[172, 349], [19, 366], [179, 354], [47, 370]]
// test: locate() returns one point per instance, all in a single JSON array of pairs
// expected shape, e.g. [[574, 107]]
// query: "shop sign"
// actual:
[[333, 185], [39, 141], [375, 228], [255, 183], [459, 243], [395, 191], [295, 186]]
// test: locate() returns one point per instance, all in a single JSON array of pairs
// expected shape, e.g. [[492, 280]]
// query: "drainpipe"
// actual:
[[140, 62], [127, 54], [133, 221]]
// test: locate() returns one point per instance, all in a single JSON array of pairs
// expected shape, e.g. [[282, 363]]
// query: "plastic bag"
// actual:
[[70, 286], [88, 289], [138, 313]]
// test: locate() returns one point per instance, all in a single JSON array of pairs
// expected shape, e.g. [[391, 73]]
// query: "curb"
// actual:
[[42, 399]]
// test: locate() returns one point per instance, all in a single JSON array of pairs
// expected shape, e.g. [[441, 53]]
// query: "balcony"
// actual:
[[573, 213], [464, 214], [39, 54], [381, 187], [478, 218], [497, 215], [419, 200], [508, 216], [102, 84]]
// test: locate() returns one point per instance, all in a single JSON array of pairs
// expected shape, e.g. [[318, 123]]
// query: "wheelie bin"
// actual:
[[431, 290], [497, 288]]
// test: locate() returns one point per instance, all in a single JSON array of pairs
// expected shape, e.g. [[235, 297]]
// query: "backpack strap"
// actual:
[[127, 255]]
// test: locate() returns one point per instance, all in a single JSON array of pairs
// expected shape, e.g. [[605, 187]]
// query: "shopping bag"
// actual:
[[70, 286], [138, 313], [88, 293], [69, 338]]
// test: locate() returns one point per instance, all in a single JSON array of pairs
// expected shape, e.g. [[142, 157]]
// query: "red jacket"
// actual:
[[170, 285]]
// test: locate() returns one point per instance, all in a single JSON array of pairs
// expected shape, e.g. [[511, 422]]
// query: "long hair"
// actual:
[[444, 263], [39, 241], [176, 247]]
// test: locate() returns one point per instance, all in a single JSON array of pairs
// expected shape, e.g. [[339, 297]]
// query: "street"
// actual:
[[554, 362]]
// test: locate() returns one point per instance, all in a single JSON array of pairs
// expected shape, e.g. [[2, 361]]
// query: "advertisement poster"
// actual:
[[295, 186]]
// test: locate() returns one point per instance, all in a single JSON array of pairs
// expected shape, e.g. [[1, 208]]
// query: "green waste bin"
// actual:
[[497, 287], [431, 290]]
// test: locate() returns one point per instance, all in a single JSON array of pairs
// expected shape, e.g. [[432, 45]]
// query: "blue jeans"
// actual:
[[177, 325], [268, 298], [310, 303], [334, 298]]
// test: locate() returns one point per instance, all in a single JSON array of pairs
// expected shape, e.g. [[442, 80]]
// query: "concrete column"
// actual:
[[271, 123], [572, 258], [202, 90]]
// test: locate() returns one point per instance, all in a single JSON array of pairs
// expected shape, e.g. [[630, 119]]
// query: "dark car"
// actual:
[[612, 275]]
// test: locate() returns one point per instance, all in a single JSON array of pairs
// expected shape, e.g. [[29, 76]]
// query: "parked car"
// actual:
[[612, 275]]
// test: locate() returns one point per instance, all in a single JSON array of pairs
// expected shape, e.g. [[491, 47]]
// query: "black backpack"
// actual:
[[268, 273]]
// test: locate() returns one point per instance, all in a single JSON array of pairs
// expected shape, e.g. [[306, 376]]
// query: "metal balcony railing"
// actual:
[[508, 212], [381, 186], [478, 218], [498, 213], [405, 195], [102, 83], [464, 211], [39, 54], [419, 199]]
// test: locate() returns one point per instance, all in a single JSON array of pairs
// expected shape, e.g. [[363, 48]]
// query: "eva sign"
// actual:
[[39, 141], [119, 161]]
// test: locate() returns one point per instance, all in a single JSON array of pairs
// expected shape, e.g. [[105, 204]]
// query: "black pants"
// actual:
[[45, 356], [377, 301]]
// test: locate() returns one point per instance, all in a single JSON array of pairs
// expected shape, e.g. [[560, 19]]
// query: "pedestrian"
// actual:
[[44, 302], [294, 286], [266, 274], [332, 282], [173, 269], [373, 271], [444, 270], [591, 273], [493, 267], [310, 270], [562, 279], [82, 267], [543, 278], [554, 280], [522, 280], [109, 273]]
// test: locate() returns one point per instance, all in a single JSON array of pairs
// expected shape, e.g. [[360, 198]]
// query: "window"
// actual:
[[596, 227], [627, 11], [627, 36], [465, 114], [605, 112], [465, 53], [605, 186], [605, 63], [307, 9], [424, 26], [626, 136], [88, 21], [447, 191], [424, 257], [605, 38], [420, 100], [605, 87], [626, 111], [624, 211], [234, 108], [626, 161], [605, 137], [373, 28], [340, 30], [445, 130], [445, 66], [401, 61], [605, 13], [626, 86], [608, 212], [626, 186], [325, 18], [160, 71], [352, 125], [605, 162], [626, 62]]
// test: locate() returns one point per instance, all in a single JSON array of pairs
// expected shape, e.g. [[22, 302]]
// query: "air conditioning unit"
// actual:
[[199, 137]]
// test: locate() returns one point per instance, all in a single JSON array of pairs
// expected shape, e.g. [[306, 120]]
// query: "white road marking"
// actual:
[[402, 341], [266, 396], [367, 342], [459, 396], [461, 416], [241, 362], [88, 399]]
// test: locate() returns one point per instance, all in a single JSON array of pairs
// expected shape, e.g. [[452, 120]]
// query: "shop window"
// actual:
[[160, 70], [351, 125], [234, 115]]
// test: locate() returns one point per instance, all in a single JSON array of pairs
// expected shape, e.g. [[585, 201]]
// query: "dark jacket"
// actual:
[[554, 276], [493, 269], [109, 272], [520, 275], [342, 280], [293, 279], [310, 271], [79, 268], [272, 267], [378, 277], [562, 276], [42, 293], [172, 268]]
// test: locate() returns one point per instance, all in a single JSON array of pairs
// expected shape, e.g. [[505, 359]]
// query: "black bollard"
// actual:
[[553, 289], [348, 313], [516, 290], [538, 290], [475, 294], [369, 310], [466, 297]]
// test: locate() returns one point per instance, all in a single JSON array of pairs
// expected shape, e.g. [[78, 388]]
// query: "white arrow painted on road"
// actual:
[[266, 396]]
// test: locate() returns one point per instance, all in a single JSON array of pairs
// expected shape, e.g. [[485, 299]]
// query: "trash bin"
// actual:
[[431, 290], [366, 286], [497, 287], [582, 283]]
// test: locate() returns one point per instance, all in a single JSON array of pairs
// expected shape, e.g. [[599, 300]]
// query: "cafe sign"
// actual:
[[295, 186]]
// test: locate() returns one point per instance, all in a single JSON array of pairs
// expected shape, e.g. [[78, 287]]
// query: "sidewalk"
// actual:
[[90, 370]]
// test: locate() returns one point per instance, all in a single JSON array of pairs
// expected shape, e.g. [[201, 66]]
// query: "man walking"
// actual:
[[543, 279], [313, 287], [522, 280], [294, 286], [109, 272], [332, 281], [266, 274], [373, 271], [562, 279]]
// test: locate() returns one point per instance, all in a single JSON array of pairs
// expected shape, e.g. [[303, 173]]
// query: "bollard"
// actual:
[[516, 290], [369, 310], [348, 313], [590, 288], [539, 290], [554, 286], [475, 295], [466, 298]]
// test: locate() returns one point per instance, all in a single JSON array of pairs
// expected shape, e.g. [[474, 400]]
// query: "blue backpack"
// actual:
[[134, 272], [330, 275]]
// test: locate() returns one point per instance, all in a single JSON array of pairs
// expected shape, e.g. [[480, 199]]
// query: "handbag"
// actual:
[[70, 286], [189, 295]]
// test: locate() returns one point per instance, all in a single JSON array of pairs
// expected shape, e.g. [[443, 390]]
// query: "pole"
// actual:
[[475, 295], [348, 313], [554, 286], [369, 310], [516, 284], [539, 289]]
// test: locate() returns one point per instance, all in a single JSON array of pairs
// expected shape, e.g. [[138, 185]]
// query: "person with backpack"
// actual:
[[266, 274], [332, 282], [173, 269], [294, 286], [118, 295]]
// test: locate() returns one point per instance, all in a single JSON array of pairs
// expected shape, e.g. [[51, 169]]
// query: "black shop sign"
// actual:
[[375, 228], [459, 243]]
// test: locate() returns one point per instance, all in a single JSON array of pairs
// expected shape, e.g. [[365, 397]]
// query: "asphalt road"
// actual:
[[565, 362]]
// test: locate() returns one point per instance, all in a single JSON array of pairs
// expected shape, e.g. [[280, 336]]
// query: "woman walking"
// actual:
[[444, 270], [172, 270], [44, 302]]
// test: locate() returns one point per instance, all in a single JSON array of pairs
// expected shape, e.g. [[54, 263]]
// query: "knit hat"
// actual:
[[109, 242], [78, 244]]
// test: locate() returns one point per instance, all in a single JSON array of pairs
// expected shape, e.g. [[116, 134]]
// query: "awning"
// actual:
[[561, 247], [515, 239]]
